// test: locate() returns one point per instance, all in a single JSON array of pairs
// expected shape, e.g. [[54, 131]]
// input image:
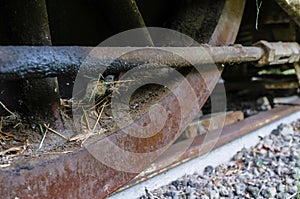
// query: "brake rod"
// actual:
[[21, 62]]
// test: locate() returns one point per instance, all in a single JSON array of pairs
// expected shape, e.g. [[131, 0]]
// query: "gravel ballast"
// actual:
[[268, 170]]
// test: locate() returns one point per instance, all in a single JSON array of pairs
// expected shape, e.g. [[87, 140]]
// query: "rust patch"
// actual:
[[80, 175]]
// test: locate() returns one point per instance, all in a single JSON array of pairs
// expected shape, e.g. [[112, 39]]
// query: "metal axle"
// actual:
[[22, 62]]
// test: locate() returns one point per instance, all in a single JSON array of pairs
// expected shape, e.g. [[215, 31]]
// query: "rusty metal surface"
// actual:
[[17, 62], [80, 175], [279, 53], [237, 130], [229, 23], [199, 147], [76, 175]]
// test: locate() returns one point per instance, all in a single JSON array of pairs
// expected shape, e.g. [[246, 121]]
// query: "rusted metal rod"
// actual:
[[37, 62]]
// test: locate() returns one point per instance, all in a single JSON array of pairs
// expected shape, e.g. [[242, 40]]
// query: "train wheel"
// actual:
[[79, 174]]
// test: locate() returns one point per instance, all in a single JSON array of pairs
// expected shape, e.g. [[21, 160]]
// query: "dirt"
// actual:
[[23, 139]]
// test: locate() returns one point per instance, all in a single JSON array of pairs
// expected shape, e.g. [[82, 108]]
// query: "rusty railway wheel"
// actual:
[[79, 174]]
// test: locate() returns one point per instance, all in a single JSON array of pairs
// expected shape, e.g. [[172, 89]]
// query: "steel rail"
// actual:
[[201, 146]]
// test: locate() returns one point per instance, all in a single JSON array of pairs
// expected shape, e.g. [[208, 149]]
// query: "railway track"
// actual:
[[49, 168], [233, 138], [34, 78]]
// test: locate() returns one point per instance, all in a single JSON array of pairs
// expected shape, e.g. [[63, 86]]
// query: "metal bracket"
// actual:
[[278, 52]]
